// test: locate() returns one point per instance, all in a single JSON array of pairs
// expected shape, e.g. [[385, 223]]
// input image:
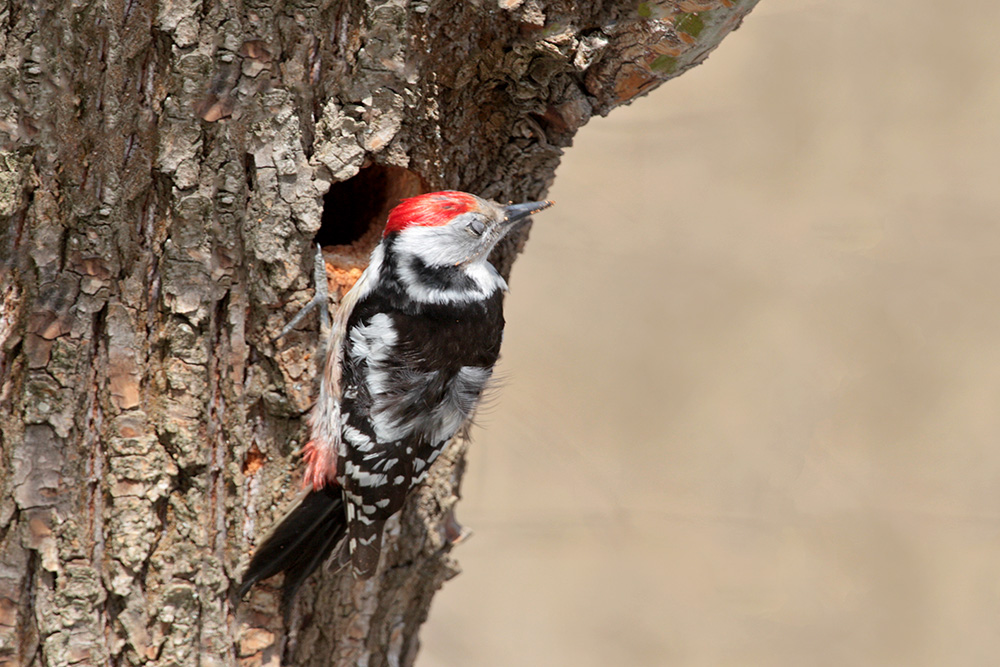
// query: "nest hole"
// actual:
[[354, 215], [352, 209]]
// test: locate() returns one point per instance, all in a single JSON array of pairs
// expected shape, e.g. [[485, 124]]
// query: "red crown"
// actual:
[[429, 210]]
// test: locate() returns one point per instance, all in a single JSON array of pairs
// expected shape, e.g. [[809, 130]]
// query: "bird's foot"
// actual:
[[321, 298]]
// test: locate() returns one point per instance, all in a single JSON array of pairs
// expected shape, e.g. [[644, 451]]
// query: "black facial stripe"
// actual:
[[441, 277]]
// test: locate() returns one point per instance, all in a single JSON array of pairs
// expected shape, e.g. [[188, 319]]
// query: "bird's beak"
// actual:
[[516, 212]]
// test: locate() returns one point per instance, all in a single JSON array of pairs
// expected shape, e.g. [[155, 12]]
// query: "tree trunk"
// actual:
[[165, 169]]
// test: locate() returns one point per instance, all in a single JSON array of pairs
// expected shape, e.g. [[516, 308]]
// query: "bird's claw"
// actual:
[[320, 298]]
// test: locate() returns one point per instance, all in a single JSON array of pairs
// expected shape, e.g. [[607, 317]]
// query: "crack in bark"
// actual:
[[29, 635]]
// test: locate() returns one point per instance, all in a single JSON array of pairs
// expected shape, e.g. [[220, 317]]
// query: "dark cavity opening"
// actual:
[[355, 210]]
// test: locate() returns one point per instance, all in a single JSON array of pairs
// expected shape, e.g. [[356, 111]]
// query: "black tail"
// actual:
[[300, 543]]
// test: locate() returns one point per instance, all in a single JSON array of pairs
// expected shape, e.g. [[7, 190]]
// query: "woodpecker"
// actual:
[[411, 350]]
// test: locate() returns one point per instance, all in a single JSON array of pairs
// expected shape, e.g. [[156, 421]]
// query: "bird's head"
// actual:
[[453, 229]]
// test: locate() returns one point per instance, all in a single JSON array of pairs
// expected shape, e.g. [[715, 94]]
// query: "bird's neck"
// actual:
[[442, 285]]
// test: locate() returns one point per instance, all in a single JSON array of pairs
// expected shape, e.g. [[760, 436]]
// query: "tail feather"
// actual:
[[298, 573], [300, 543], [366, 545]]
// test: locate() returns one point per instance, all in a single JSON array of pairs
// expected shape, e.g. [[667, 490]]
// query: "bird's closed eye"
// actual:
[[477, 227]]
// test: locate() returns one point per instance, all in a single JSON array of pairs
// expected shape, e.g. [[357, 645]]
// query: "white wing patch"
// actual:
[[353, 436], [374, 339], [371, 344]]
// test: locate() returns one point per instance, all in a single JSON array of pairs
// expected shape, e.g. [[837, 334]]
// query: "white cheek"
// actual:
[[437, 246], [448, 246]]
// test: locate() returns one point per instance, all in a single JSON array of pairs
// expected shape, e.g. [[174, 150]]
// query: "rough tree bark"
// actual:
[[165, 168]]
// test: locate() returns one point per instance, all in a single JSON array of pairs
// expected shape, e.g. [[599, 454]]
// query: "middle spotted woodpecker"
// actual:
[[412, 348]]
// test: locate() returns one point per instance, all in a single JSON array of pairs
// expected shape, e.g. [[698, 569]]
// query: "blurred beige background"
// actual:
[[752, 401]]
